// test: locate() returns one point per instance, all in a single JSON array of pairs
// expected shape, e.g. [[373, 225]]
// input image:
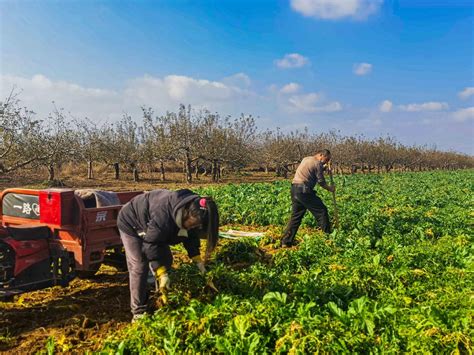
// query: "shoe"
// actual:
[[137, 317], [286, 245]]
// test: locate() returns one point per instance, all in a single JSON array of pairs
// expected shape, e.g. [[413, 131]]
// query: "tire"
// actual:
[[88, 274]]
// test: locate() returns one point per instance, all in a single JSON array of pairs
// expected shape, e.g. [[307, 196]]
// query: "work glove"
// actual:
[[163, 278], [200, 264], [164, 283]]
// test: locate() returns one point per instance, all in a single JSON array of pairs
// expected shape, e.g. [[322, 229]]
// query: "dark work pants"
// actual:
[[138, 268], [302, 200]]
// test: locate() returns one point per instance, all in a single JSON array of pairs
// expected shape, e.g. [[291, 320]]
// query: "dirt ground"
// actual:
[[106, 181], [81, 315]]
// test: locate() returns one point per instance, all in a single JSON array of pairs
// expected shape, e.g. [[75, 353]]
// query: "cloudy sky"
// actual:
[[372, 67]]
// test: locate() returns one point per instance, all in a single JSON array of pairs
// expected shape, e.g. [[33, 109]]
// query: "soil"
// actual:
[[79, 316], [105, 181]]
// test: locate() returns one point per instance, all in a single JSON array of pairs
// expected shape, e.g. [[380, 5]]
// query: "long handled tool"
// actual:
[[336, 212]]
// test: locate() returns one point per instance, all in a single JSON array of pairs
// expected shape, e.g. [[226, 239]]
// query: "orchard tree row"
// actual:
[[200, 141]]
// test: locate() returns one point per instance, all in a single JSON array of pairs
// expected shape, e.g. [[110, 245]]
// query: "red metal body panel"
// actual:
[[87, 232], [28, 252], [56, 206]]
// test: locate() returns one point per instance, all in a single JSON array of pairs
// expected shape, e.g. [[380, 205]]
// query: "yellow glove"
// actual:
[[164, 299], [199, 263], [164, 280]]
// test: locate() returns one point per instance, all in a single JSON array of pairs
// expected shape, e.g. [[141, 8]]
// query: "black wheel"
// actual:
[[66, 268], [117, 259], [88, 274]]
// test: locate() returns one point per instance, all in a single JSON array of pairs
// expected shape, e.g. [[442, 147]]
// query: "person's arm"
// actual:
[[152, 246], [321, 180], [192, 246], [330, 188]]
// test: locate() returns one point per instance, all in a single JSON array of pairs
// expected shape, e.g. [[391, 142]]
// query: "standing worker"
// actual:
[[150, 223], [303, 196]]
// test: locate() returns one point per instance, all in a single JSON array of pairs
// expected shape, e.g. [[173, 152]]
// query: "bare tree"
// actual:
[[184, 135], [280, 150], [88, 140], [120, 146], [18, 135], [156, 137], [202, 141], [56, 142]]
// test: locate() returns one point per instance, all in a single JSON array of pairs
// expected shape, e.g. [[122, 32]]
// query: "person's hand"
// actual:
[[200, 264], [163, 279], [165, 283]]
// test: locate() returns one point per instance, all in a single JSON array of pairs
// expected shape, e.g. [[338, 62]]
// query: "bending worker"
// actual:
[[150, 223], [303, 196]]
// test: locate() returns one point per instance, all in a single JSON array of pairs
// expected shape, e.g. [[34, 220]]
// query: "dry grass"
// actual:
[[76, 177]]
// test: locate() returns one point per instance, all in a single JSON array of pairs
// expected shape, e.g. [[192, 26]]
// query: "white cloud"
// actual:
[[179, 88], [464, 114], [240, 80], [292, 60], [427, 106], [467, 92], [311, 103], [362, 68], [336, 9], [38, 93], [165, 93], [334, 106], [290, 88], [304, 103], [386, 106], [39, 81]]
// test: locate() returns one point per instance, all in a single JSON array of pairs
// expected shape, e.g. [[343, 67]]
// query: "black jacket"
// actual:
[[152, 217]]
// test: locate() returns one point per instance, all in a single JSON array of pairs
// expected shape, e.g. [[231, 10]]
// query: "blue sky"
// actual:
[[371, 67]]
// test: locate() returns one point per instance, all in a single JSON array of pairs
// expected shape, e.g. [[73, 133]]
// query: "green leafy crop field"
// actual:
[[396, 277]]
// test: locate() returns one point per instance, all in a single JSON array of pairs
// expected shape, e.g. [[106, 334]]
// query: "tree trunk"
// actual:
[[136, 177], [162, 170], [117, 171], [51, 172], [220, 172], [90, 172], [353, 169], [187, 168], [196, 171], [277, 171], [215, 171]]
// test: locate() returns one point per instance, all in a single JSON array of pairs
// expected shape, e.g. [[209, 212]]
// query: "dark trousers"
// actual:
[[303, 199], [138, 268]]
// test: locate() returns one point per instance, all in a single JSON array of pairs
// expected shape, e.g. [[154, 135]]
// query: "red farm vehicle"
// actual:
[[47, 237]]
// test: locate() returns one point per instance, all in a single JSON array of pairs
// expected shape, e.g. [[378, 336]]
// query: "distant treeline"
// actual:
[[202, 142]]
